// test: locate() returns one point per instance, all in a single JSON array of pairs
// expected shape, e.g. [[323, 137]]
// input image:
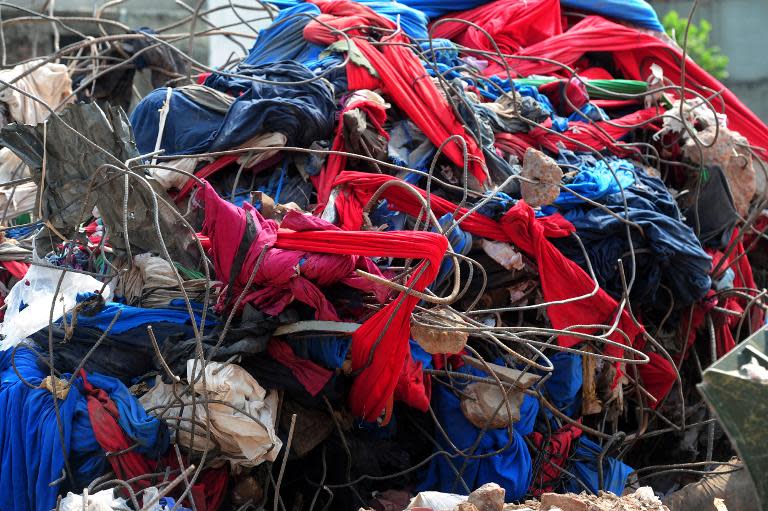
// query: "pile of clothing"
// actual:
[[401, 247]]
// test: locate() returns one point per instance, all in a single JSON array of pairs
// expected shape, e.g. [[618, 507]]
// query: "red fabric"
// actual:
[[380, 346], [310, 375], [607, 104], [283, 275], [657, 376], [724, 323], [213, 167], [513, 24], [401, 76], [374, 387], [376, 114], [564, 93], [561, 278], [633, 53], [111, 437], [209, 489], [413, 387], [16, 268], [556, 452], [598, 135]]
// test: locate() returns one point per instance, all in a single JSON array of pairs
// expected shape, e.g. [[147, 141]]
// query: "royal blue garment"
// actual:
[[511, 469], [419, 354], [284, 38], [584, 466], [637, 12], [667, 252], [303, 113], [563, 388], [132, 317], [460, 241], [328, 352], [594, 179], [150, 433]]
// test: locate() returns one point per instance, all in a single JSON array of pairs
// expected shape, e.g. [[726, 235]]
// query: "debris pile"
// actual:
[[400, 255]]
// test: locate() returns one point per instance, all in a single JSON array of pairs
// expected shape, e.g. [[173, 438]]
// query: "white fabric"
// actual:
[[50, 83], [236, 434], [36, 290], [100, 501]]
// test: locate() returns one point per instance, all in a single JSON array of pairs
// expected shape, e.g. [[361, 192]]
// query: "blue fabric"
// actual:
[[132, 317], [637, 12], [595, 179], [418, 354], [150, 433], [31, 454], [303, 113], [412, 20], [30, 447], [668, 252], [563, 388], [497, 206], [511, 469], [284, 38], [460, 241], [585, 456], [328, 352]]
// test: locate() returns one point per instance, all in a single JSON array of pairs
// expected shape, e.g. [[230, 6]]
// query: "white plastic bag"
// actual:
[[100, 501], [34, 293]]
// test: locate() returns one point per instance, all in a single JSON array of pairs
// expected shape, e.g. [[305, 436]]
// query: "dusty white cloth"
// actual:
[[237, 435], [99, 501], [170, 179], [50, 83], [436, 500]]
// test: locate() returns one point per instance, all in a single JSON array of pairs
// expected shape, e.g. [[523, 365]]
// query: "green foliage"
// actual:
[[699, 48]]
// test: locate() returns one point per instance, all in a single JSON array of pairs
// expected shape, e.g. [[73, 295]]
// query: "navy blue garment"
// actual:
[[303, 113], [594, 179], [511, 469], [284, 38], [637, 12], [328, 352], [667, 254], [563, 388], [584, 466]]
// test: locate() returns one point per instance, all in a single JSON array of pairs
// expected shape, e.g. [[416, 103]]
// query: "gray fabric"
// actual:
[[207, 97], [71, 171]]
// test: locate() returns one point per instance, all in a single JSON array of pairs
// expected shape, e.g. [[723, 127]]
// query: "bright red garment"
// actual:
[[556, 451], [238, 236], [564, 93], [16, 268], [401, 76], [599, 135], [513, 24], [633, 53], [561, 278], [310, 375], [104, 416], [375, 114], [380, 346]]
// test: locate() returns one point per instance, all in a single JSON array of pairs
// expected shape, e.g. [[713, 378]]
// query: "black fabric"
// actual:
[[717, 215]]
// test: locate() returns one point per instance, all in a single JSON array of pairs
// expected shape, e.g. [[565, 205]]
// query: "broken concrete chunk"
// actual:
[[504, 254], [434, 340], [489, 497], [565, 502], [481, 400], [547, 174]]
